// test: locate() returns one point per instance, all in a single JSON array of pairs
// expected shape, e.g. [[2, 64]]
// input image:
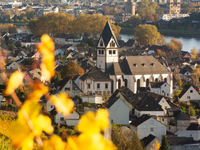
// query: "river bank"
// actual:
[[167, 32]]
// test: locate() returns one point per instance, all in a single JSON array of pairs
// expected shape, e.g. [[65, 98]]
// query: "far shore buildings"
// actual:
[[133, 71]]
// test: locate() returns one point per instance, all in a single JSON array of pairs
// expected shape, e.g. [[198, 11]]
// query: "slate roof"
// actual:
[[62, 83], [185, 69], [193, 126], [137, 65], [140, 120], [148, 103], [107, 34], [112, 101], [179, 115], [156, 84], [146, 140], [96, 74]]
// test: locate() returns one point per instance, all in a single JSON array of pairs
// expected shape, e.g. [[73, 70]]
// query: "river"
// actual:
[[188, 42]]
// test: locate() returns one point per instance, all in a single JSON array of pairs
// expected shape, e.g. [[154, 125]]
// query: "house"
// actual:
[[192, 131], [148, 105], [60, 38], [82, 49], [118, 111], [146, 125], [119, 93], [68, 86], [97, 99], [185, 54], [58, 52], [189, 95], [13, 64], [160, 88], [71, 120], [95, 81], [148, 141], [186, 72]]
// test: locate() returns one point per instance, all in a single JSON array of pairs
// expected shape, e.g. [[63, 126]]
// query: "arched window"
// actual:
[[147, 82], [138, 84], [101, 43], [126, 83], [165, 80], [119, 83], [156, 80]]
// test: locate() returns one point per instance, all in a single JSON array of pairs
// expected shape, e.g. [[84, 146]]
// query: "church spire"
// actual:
[[107, 34]]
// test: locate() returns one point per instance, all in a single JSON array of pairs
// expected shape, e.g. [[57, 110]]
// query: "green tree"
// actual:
[[192, 111], [176, 94], [194, 53], [164, 145], [147, 34], [135, 21], [30, 13]]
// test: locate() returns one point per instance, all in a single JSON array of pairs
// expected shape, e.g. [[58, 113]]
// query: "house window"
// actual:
[[188, 97], [152, 122], [162, 119], [110, 51], [67, 89], [162, 91], [191, 91], [151, 129], [98, 85], [114, 51], [106, 85], [167, 94], [61, 118], [88, 86], [99, 66], [51, 106]]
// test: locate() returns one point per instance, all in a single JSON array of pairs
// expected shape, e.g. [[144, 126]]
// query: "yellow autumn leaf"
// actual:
[[39, 90], [29, 124], [16, 79], [88, 124], [48, 42], [102, 119], [54, 143], [63, 103]]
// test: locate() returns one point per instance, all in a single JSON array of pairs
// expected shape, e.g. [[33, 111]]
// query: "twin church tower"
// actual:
[[107, 48]]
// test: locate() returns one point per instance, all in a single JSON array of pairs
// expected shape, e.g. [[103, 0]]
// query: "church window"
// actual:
[[112, 44], [102, 52], [165, 80], [156, 80], [88, 86], [99, 51], [119, 83], [106, 85], [114, 52], [98, 85], [101, 43], [147, 83], [125, 82], [110, 51], [138, 84]]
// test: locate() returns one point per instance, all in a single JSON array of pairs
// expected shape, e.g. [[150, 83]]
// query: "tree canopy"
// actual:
[[148, 34], [59, 23]]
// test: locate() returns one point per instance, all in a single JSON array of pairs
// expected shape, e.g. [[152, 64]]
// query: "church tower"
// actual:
[[130, 7], [107, 48]]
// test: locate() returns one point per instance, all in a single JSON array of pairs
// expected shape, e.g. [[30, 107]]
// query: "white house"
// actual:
[[133, 71], [164, 104], [97, 99], [148, 105], [162, 88], [189, 94], [149, 141], [95, 81], [68, 86], [192, 131], [118, 111], [71, 120], [146, 125]]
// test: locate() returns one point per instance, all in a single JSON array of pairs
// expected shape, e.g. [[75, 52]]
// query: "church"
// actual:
[[133, 71]]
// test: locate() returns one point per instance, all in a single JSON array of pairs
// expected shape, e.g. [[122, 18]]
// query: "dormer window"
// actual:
[[112, 44], [135, 65], [143, 64], [152, 64]]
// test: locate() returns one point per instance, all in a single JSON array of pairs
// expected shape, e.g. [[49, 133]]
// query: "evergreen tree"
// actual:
[[164, 145]]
